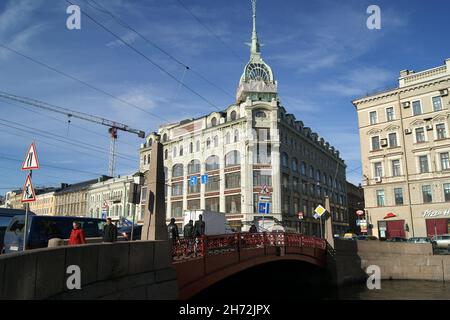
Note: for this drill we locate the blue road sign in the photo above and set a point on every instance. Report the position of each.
(204, 179)
(193, 180)
(264, 207)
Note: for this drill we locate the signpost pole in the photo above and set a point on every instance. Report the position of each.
(25, 227)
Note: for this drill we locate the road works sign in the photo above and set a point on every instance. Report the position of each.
(31, 161)
(28, 194)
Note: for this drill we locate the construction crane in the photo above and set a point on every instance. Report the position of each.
(113, 126)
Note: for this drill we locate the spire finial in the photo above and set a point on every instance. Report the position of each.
(255, 48)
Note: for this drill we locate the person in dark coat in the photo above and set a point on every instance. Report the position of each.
(253, 229)
(172, 228)
(199, 228)
(77, 235)
(188, 231)
(109, 231)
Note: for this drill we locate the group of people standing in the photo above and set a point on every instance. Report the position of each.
(190, 230)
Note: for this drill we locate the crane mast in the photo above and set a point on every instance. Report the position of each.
(112, 130)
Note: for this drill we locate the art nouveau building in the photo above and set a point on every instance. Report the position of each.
(405, 151)
(251, 144)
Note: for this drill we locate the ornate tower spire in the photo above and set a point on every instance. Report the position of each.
(255, 49)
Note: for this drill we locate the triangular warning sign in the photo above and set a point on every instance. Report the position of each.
(31, 161)
(28, 194)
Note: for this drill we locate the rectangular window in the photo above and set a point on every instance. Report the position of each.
(194, 188)
(398, 195)
(380, 198)
(420, 135)
(447, 191)
(233, 180)
(437, 103)
(285, 181)
(423, 164)
(376, 143)
(393, 140)
(426, 193)
(286, 204)
(295, 184)
(417, 108)
(261, 178)
(212, 204)
(177, 209)
(440, 131)
(445, 162)
(378, 169)
(177, 189)
(233, 204)
(395, 168)
(373, 117)
(390, 114)
(193, 204)
(213, 184)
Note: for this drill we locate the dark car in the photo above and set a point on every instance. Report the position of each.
(6, 216)
(43, 228)
(126, 232)
(396, 239)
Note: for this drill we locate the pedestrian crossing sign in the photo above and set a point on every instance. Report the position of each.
(28, 194)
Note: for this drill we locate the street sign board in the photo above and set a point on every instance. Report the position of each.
(28, 194)
(264, 207)
(316, 216)
(31, 161)
(320, 210)
(204, 178)
(300, 215)
(360, 212)
(193, 180)
(264, 198)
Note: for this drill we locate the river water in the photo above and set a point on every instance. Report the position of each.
(396, 290)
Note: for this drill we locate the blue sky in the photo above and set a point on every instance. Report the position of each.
(322, 54)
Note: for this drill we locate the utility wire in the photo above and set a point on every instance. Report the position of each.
(121, 22)
(162, 69)
(81, 81)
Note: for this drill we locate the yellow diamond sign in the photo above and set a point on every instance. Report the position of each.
(320, 210)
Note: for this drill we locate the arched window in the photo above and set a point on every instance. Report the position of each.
(177, 170)
(191, 147)
(150, 142)
(145, 159)
(174, 152)
(164, 137)
(166, 174)
(284, 160)
(303, 168)
(260, 114)
(236, 136)
(232, 158)
(212, 163)
(233, 115)
(208, 143)
(181, 151)
(166, 154)
(228, 138)
(324, 178)
(294, 165)
(194, 167)
(318, 174)
(216, 141)
(213, 122)
(311, 172)
(197, 146)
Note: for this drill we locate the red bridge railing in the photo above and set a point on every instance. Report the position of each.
(191, 248)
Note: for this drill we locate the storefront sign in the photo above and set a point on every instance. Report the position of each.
(435, 213)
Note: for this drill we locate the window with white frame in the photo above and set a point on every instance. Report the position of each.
(441, 133)
(447, 192)
(390, 114)
(427, 194)
(373, 117)
(378, 169)
(380, 198)
(423, 164)
(375, 143)
(417, 108)
(396, 168)
(420, 135)
(393, 140)
(445, 161)
(398, 195)
(437, 103)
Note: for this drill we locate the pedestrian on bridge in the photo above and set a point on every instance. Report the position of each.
(172, 228)
(253, 229)
(109, 231)
(77, 235)
(188, 231)
(199, 228)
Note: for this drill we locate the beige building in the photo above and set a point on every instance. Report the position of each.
(45, 203)
(72, 200)
(252, 144)
(405, 151)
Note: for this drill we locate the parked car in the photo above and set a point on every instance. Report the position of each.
(125, 231)
(43, 228)
(366, 237)
(5, 218)
(349, 236)
(396, 239)
(442, 241)
(419, 240)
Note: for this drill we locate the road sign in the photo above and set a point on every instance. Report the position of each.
(264, 198)
(264, 190)
(28, 194)
(204, 179)
(320, 210)
(264, 207)
(193, 180)
(360, 212)
(31, 160)
(316, 216)
(300, 215)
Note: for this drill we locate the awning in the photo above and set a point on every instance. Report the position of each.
(389, 215)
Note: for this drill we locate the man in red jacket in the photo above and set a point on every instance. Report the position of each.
(77, 235)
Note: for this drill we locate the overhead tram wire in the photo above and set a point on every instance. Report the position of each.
(121, 22)
(158, 66)
(65, 74)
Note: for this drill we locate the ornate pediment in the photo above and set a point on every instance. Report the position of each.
(440, 117)
(418, 123)
(392, 128)
(374, 131)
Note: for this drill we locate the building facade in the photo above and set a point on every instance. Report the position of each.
(72, 200)
(45, 203)
(355, 200)
(252, 146)
(405, 150)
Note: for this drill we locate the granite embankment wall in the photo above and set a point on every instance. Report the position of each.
(123, 270)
